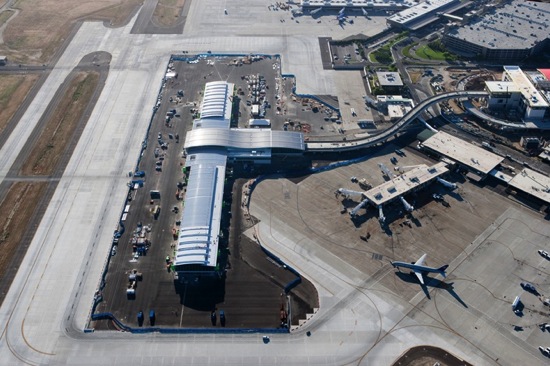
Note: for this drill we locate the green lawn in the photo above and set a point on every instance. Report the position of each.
(427, 53)
(372, 57)
(407, 50)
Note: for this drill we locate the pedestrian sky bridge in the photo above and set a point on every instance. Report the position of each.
(414, 113)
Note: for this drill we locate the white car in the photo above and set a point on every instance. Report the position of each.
(544, 254)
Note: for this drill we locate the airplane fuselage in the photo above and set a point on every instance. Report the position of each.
(416, 267)
(419, 268)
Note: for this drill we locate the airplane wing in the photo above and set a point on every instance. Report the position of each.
(419, 275)
(420, 262)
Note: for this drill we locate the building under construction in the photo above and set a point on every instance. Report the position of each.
(209, 147)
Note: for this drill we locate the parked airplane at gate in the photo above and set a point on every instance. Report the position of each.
(419, 268)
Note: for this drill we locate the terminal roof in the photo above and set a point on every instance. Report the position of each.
(502, 87)
(201, 216)
(208, 146)
(525, 86)
(402, 184)
(217, 100)
(420, 10)
(532, 182)
(367, 4)
(463, 152)
(244, 139)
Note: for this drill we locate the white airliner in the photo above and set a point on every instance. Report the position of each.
(419, 268)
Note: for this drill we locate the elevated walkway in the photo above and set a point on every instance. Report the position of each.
(337, 146)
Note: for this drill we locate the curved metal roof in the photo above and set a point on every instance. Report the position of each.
(201, 216)
(215, 103)
(244, 139)
(208, 145)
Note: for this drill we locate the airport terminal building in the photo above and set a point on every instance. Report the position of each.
(516, 91)
(366, 5)
(209, 147)
(424, 13)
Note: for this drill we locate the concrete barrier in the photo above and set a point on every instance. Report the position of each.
(123, 327)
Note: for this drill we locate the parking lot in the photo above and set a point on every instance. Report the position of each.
(348, 55)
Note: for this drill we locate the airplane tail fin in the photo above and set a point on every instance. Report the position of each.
(442, 270)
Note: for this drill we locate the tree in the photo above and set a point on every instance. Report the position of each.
(383, 55)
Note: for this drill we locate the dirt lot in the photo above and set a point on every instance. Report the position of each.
(428, 356)
(40, 27)
(22, 200)
(59, 129)
(415, 75)
(17, 209)
(13, 90)
(167, 12)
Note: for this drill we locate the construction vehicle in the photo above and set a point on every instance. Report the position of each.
(364, 184)
(222, 318)
(282, 313)
(175, 233)
(135, 275)
(131, 289)
(152, 317)
(156, 212)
